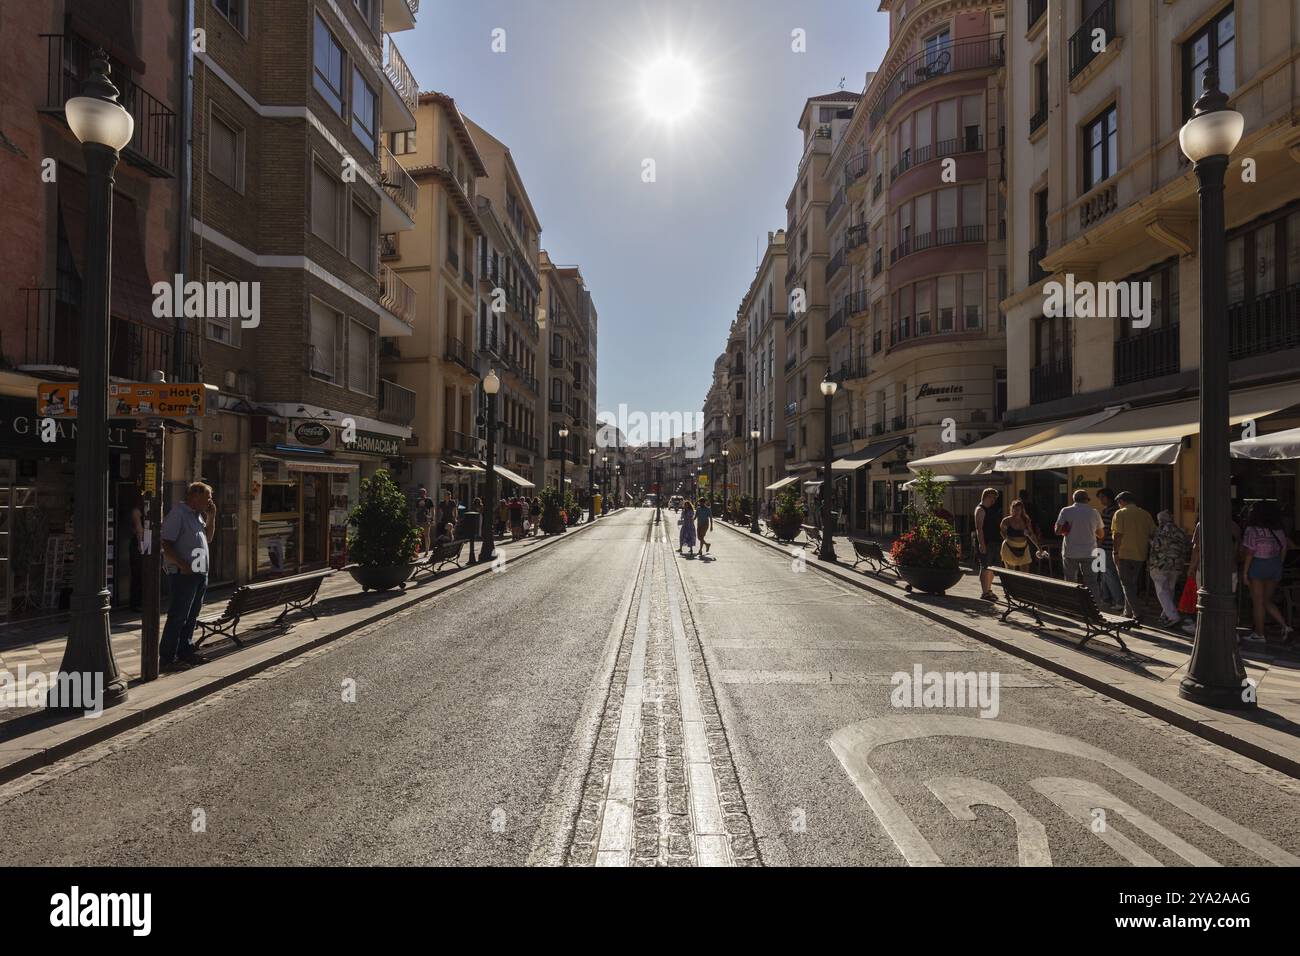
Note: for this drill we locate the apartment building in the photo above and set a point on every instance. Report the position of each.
(49, 49)
(736, 444)
(763, 312)
(568, 352)
(808, 258)
(1100, 192)
(295, 189)
(437, 258)
(508, 336)
(915, 338)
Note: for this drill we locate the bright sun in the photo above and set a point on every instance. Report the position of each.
(670, 88)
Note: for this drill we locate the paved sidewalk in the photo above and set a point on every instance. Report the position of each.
(1147, 678)
(31, 738)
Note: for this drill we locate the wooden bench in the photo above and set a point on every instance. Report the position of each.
(814, 535)
(439, 557)
(873, 556)
(297, 593)
(1034, 593)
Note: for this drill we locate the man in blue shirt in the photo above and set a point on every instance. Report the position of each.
(185, 535)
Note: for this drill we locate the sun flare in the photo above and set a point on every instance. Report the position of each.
(669, 88)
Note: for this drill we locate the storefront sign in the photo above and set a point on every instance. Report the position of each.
(373, 443)
(948, 392)
(309, 433)
(20, 427)
(125, 400)
(1081, 482)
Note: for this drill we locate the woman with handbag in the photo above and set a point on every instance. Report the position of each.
(1017, 535)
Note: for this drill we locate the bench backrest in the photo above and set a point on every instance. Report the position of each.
(1050, 593)
(868, 549)
(271, 594)
(448, 549)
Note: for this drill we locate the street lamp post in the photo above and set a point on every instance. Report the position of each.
(591, 479)
(827, 552)
(754, 436)
(713, 461)
(104, 128)
(491, 385)
(1215, 675)
(604, 480)
(725, 455)
(564, 453)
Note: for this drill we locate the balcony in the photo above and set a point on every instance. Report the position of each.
(401, 93)
(1267, 323)
(1098, 205)
(399, 299)
(556, 406)
(1081, 51)
(835, 265)
(1036, 271)
(973, 53)
(457, 352)
(877, 263)
(839, 438)
(399, 188)
(460, 443)
(156, 139)
(877, 186)
(949, 236)
(791, 409)
(51, 343)
(835, 323)
(400, 14)
(898, 423)
(1049, 382)
(791, 362)
(1039, 118)
(857, 235)
(857, 303)
(1146, 355)
(836, 206)
(396, 404)
(856, 168)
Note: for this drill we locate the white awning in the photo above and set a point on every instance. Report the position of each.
(943, 479)
(1141, 436)
(812, 485)
(783, 483)
(1278, 446)
(509, 475)
(860, 459)
(321, 467)
(979, 457)
(455, 467)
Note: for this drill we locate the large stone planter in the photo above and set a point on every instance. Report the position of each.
(930, 580)
(785, 529)
(381, 579)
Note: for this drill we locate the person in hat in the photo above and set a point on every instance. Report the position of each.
(1081, 531)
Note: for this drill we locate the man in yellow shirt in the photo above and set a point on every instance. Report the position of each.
(1131, 528)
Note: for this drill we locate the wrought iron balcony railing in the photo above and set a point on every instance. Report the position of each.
(400, 75)
(972, 53)
(396, 404)
(1036, 271)
(1146, 355)
(397, 183)
(1266, 323)
(1051, 381)
(1082, 48)
(396, 296)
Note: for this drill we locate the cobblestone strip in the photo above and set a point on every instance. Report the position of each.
(723, 833)
(604, 832)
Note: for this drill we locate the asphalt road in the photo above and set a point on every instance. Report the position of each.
(477, 714)
(465, 707)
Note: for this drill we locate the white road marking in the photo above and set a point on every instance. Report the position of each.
(854, 744)
(796, 644)
(962, 794)
(847, 677)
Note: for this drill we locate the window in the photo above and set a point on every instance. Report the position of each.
(972, 301)
(369, 10)
(402, 142)
(937, 56)
(1215, 44)
(1100, 160)
(326, 339)
(361, 239)
(1040, 95)
(326, 206)
(361, 358)
(972, 121)
(1051, 343)
(923, 131)
(947, 302)
(221, 329)
(947, 125)
(365, 111)
(232, 10)
(328, 58)
(972, 208)
(923, 308)
(948, 209)
(226, 151)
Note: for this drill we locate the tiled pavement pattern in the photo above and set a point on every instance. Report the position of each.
(661, 789)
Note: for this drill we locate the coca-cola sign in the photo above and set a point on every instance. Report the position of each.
(312, 434)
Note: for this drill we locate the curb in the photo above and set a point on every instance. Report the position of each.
(1154, 708)
(103, 728)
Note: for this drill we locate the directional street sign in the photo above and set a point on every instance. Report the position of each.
(126, 400)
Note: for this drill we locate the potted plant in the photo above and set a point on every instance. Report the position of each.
(788, 515)
(553, 517)
(382, 542)
(927, 556)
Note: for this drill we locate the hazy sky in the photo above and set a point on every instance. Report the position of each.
(667, 262)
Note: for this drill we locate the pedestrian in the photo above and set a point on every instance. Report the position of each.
(516, 511)
(424, 514)
(446, 535)
(1017, 535)
(447, 510)
(988, 521)
(1023, 497)
(687, 521)
(1112, 592)
(1170, 549)
(1131, 528)
(1080, 528)
(186, 533)
(1264, 546)
(1194, 565)
(704, 523)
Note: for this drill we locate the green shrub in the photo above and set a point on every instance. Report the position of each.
(381, 534)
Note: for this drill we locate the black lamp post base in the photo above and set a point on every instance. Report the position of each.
(827, 552)
(1224, 697)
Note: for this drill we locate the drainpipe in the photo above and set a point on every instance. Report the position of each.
(184, 229)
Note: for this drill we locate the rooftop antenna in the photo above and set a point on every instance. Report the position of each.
(842, 82)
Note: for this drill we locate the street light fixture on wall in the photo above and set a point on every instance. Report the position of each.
(104, 128)
(754, 436)
(1215, 675)
(827, 552)
(491, 385)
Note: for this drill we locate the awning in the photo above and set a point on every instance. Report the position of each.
(812, 485)
(509, 475)
(943, 479)
(979, 457)
(860, 459)
(1278, 446)
(783, 483)
(322, 466)
(1142, 436)
(455, 467)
